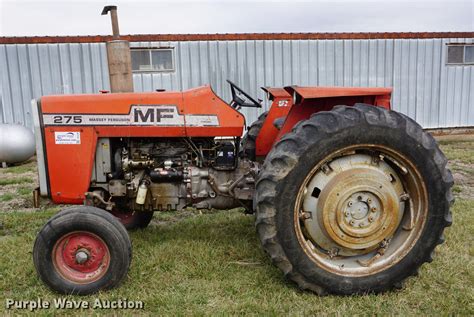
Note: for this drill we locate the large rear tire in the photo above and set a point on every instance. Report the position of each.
(82, 250)
(133, 220)
(353, 200)
(249, 139)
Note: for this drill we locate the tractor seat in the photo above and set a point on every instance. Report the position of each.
(278, 122)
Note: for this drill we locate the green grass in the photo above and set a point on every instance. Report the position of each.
(24, 191)
(29, 166)
(187, 263)
(6, 197)
(209, 263)
(16, 180)
(459, 150)
(456, 189)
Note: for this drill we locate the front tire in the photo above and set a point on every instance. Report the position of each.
(353, 200)
(82, 250)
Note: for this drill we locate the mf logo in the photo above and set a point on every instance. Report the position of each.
(156, 115)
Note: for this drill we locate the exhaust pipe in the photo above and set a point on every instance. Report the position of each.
(118, 57)
(114, 19)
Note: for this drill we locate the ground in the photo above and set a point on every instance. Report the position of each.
(211, 262)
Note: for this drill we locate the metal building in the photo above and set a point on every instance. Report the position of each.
(432, 74)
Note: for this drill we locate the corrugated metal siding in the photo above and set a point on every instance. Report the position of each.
(425, 88)
(30, 71)
(1, 104)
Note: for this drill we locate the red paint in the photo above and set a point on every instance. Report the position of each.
(311, 100)
(280, 107)
(70, 165)
(125, 218)
(64, 257)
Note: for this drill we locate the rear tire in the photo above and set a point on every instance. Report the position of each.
(282, 186)
(249, 139)
(133, 220)
(82, 250)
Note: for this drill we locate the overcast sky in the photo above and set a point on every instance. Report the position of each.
(73, 17)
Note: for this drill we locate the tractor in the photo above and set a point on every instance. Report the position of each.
(349, 196)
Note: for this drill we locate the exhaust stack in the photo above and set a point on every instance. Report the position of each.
(118, 56)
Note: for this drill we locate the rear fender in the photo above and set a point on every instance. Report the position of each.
(281, 105)
(304, 101)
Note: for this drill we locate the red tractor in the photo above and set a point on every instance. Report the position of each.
(349, 196)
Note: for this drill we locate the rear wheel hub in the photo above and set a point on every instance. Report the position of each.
(359, 207)
(354, 204)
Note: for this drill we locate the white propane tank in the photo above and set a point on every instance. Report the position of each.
(141, 194)
(17, 143)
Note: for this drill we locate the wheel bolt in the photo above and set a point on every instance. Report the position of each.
(369, 200)
(373, 209)
(305, 215)
(371, 219)
(349, 204)
(347, 214)
(352, 222)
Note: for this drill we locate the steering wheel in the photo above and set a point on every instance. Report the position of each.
(241, 99)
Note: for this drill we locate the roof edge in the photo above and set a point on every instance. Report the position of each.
(233, 37)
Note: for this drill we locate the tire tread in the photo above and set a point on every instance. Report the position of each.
(284, 156)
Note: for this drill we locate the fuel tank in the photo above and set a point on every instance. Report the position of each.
(17, 143)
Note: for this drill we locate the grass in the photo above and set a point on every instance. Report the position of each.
(29, 166)
(203, 264)
(16, 180)
(456, 189)
(24, 191)
(456, 150)
(6, 197)
(188, 263)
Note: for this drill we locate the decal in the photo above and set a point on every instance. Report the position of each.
(67, 137)
(142, 115)
(201, 120)
(283, 103)
(157, 115)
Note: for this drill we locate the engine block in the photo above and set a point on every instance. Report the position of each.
(153, 174)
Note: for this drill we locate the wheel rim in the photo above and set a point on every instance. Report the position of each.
(81, 257)
(360, 210)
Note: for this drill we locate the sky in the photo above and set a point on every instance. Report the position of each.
(73, 17)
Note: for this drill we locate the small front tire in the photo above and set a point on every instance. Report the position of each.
(82, 250)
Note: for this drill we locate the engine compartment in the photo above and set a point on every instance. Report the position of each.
(166, 174)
